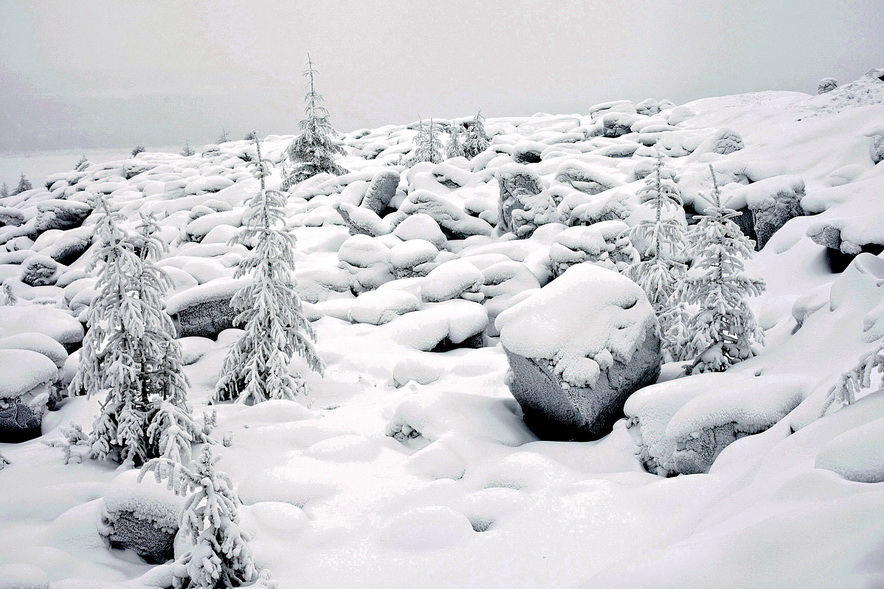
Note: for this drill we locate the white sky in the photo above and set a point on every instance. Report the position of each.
(121, 73)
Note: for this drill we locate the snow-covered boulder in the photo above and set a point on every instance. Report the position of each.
(25, 380)
(361, 221)
(204, 310)
(681, 426)
(451, 218)
(420, 226)
(440, 327)
(524, 205)
(577, 349)
(876, 148)
(453, 279)
(141, 516)
(379, 307)
(61, 214)
(605, 244)
(826, 85)
(367, 259)
(39, 270)
(502, 282)
(773, 202)
(381, 191)
(413, 258)
(56, 323)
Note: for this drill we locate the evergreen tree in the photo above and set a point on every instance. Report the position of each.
(723, 329)
(477, 140)
(187, 150)
(313, 151)
(220, 556)
(4, 190)
(23, 185)
(137, 149)
(129, 352)
(82, 164)
(428, 145)
(257, 366)
(222, 138)
(454, 147)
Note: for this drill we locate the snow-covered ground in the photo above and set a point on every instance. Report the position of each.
(406, 466)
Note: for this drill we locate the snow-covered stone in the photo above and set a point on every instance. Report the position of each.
(577, 349)
(381, 191)
(773, 202)
(25, 380)
(379, 307)
(451, 219)
(456, 278)
(605, 244)
(524, 205)
(204, 310)
(420, 226)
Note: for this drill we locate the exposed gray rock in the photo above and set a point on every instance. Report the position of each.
(381, 191)
(577, 348)
(523, 204)
(39, 271)
(151, 543)
(61, 214)
(648, 107)
(826, 85)
(695, 454)
(10, 216)
(19, 421)
(773, 202)
(876, 148)
(205, 318)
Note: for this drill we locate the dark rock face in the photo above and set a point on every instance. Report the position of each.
(746, 223)
(557, 413)
(774, 213)
(18, 422)
(205, 319)
(839, 253)
(694, 455)
(61, 214)
(143, 536)
(381, 191)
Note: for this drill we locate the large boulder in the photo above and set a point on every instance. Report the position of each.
(26, 378)
(61, 214)
(204, 310)
(577, 349)
(141, 516)
(381, 191)
(524, 205)
(773, 202)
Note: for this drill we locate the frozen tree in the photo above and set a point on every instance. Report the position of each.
(723, 328)
(4, 190)
(476, 140)
(844, 391)
(23, 185)
(220, 555)
(313, 151)
(661, 242)
(137, 149)
(9, 297)
(454, 147)
(428, 145)
(129, 352)
(187, 150)
(257, 366)
(222, 138)
(82, 164)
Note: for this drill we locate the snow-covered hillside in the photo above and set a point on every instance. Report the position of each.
(409, 462)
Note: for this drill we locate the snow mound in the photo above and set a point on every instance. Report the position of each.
(427, 528)
(55, 323)
(379, 307)
(452, 321)
(22, 371)
(451, 280)
(857, 454)
(215, 290)
(36, 342)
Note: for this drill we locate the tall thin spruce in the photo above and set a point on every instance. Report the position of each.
(313, 151)
(257, 366)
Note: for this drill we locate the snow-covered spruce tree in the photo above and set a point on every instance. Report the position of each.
(428, 145)
(4, 190)
(129, 352)
(723, 329)
(82, 164)
(187, 150)
(844, 391)
(313, 151)
(477, 139)
(220, 556)
(454, 146)
(661, 242)
(257, 366)
(23, 185)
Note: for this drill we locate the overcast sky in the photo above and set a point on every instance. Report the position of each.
(120, 73)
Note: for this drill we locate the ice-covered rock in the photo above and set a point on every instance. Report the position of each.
(681, 426)
(25, 382)
(204, 310)
(577, 349)
(524, 205)
(141, 516)
(605, 244)
(381, 191)
(451, 218)
(773, 202)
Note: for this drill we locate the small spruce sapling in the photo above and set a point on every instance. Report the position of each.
(23, 185)
(137, 149)
(257, 365)
(82, 164)
(477, 139)
(222, 138)
(428, 145)
(4, 190)
(723, 329)
(844, 391)
(220, 555)
(187, 150)
(454, 147)
(313, 151)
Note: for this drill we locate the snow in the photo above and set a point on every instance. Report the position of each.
(581, 321)
(461, 494)
(213, 290)
(23, 371)
(450, 280)
(36, 342)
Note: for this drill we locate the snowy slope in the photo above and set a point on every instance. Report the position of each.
(411, 466)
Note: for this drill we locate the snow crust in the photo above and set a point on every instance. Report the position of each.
(23, 371)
